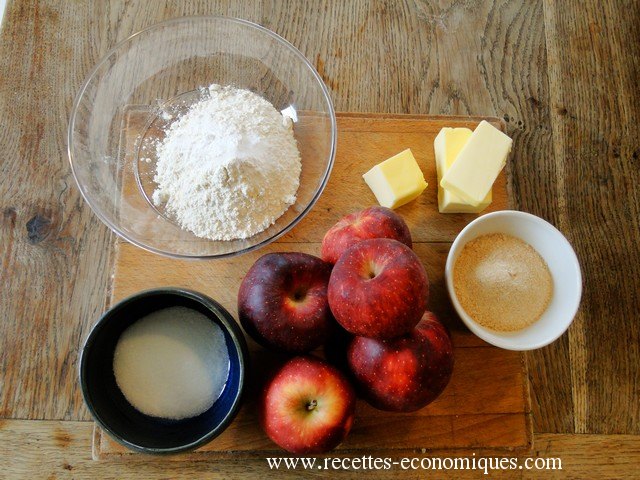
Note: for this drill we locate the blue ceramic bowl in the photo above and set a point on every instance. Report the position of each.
(122, 421)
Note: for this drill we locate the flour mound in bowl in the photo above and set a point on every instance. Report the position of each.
(229, 167)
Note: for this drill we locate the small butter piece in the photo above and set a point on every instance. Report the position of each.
(396, 181)
(447, 146)
(478, 164)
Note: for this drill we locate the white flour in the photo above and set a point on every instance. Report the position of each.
(229, 167)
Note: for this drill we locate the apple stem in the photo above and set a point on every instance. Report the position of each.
(312, 404)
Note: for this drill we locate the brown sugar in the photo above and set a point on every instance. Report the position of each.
(502, 282)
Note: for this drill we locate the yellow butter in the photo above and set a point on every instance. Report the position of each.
(396, 181)
(447, 146)
(478, 164)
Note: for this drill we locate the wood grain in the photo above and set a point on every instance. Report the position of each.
(485, 434)
(58, 449)
(55, 253)
(438, 68)
(136, 270)
(595, 97)
(486, 404)
(563, 75)
(364, 140)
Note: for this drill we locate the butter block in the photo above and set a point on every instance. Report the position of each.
(478, 164)
(397, 180)
(447, 146)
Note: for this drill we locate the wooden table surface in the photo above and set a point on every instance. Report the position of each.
(564, 76)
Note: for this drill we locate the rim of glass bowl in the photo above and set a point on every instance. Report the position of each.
(279, 39)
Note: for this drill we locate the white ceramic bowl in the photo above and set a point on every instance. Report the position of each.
(562, 262)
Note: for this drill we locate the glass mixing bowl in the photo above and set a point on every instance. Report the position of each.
(160, 71)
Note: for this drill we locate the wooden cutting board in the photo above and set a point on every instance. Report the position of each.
(486, 404)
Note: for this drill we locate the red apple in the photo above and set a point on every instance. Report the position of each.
(282, 302)
(373, 222)
(378, 289)
(308, 406)
(406, 373)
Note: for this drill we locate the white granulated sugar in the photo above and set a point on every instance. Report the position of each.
(173, 363)
(229, 167)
